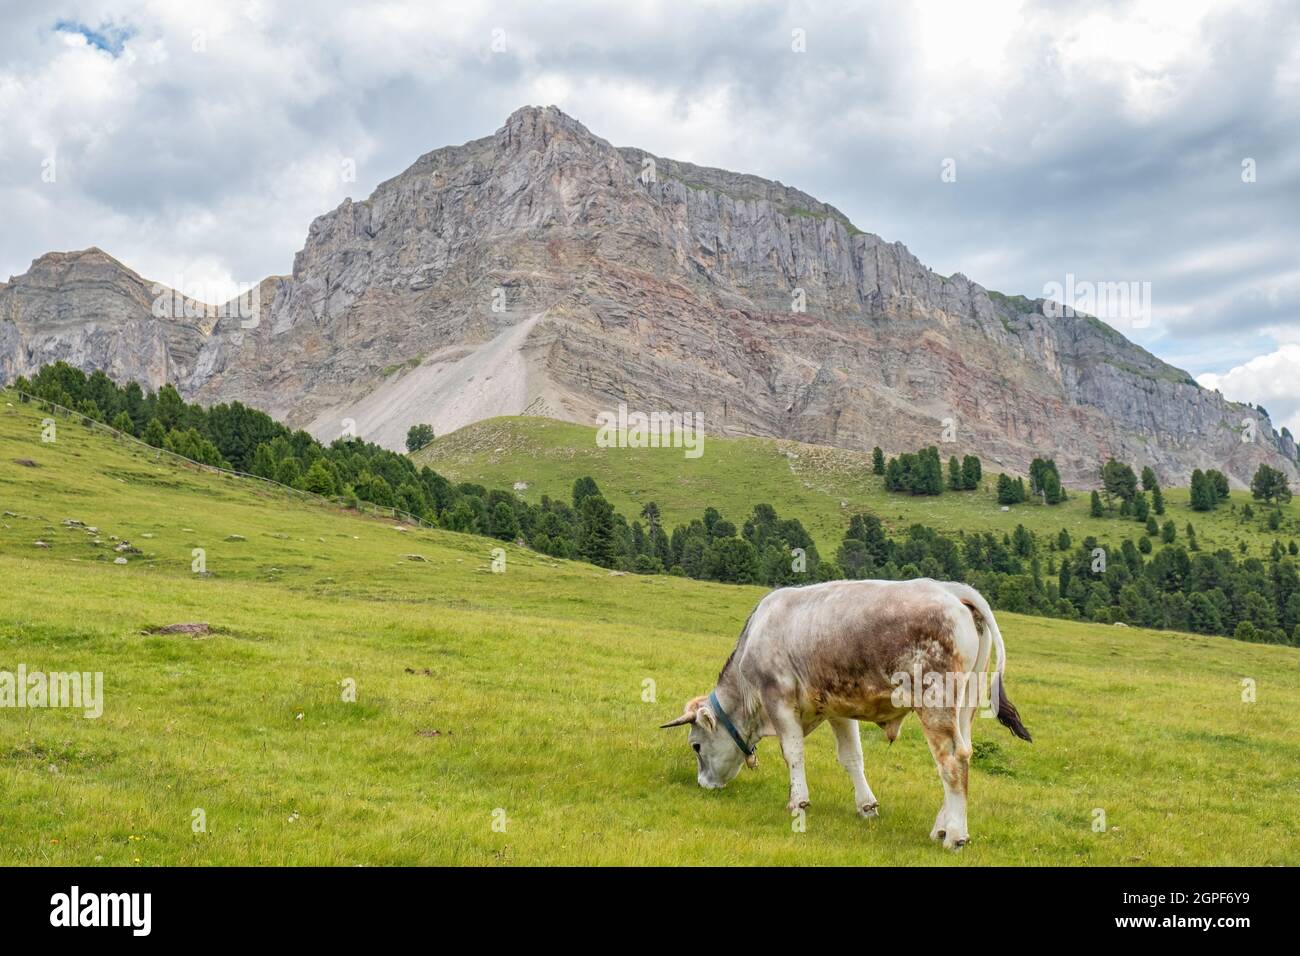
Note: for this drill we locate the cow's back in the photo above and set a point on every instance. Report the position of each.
(834, 649)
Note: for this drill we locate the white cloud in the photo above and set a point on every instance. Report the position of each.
(1271, 380)
(1095, 139)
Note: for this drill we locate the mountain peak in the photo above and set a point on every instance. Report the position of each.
(538, 126)
(76, 264)
(541, 268)
(529, 114)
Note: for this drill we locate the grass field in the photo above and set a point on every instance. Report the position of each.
(823, 487)
(521, 693)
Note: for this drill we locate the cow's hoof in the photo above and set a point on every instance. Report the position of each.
(955, 843)
(869, 811)
(794, 805)
(938, 833)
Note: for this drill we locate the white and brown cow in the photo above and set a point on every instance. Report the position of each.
(846, 651)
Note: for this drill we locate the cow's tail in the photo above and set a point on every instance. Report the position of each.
(1008, 716)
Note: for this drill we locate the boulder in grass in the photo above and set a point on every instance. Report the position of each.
(41, 544)
(119, 560)
(235, 537)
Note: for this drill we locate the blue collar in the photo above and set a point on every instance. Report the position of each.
(747, 750)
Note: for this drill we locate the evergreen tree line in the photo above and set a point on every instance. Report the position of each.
(1120, 493)
(1044, 483)
(1208, 489)
(1176, 588)
(767, 549)
(921, 473)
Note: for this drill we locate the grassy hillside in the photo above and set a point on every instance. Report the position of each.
(523, 692)
(821, 486)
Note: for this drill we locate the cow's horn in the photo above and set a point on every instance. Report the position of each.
(686, 718)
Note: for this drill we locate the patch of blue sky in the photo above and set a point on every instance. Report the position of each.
(108, 37)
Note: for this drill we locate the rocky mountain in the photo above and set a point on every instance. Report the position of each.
(89, 310)
(542, 270)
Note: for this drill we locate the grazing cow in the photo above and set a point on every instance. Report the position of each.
(846, 651)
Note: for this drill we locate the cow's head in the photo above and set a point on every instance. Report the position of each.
(716, 754)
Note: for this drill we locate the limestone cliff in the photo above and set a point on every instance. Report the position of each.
(543, 270)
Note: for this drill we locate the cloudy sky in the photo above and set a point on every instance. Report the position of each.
(1020, 143)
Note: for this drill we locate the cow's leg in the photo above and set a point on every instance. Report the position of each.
(789, 730)
(966, 715)
(848, 747)
(966, 718)
(952, 758)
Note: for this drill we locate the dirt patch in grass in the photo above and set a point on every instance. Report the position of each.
(195, 628)
(57, 755)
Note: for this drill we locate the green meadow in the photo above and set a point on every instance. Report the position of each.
(822, 487)
(370, 694)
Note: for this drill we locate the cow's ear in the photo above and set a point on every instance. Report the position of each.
(705, 717)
